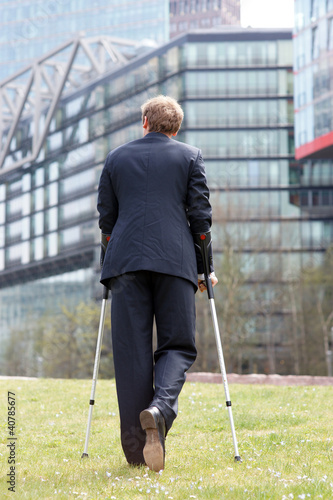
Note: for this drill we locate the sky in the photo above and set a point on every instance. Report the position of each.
(267, 13)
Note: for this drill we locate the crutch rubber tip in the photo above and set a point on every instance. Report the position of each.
(238, 459)
(85, 455)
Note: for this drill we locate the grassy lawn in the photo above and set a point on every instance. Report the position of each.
(284, 436)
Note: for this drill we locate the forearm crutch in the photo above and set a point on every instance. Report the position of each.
(96, 367)
(203, 243)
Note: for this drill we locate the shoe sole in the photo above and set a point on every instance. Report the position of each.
(153, 450)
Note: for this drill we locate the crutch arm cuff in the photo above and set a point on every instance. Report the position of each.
(105, 238)
(204, 252)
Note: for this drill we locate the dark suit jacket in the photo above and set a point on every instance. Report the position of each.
(152, 195)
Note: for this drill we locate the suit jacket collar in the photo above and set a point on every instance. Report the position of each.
(157, 135)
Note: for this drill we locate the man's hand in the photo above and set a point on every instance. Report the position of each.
(202, 283)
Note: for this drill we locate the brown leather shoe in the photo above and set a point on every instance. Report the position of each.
(152, 421)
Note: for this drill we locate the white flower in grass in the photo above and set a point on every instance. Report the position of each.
(108, 474)
(65, 459)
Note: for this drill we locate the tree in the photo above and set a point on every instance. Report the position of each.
(61, 345)
(316, 290)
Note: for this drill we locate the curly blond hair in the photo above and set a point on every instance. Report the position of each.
(163, 113)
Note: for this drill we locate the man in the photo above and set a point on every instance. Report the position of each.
(152, 197)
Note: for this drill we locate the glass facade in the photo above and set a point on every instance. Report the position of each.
(188, 15)
(236, 89)
(313, 102)
(31, 28)
(313, 68)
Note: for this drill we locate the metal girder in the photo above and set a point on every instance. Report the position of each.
(34, 93)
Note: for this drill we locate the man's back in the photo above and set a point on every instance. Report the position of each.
(154, 181)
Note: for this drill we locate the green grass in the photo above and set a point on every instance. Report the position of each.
(284, 435)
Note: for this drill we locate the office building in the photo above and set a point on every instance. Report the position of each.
(236, 88)
(186, 15)
(313, 102)
(313, 68)
(31, 28)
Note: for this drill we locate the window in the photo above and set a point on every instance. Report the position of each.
(2, 215)
(272, 53)
(315, 198)
(2, 192)
(26, 182)
(26, 228)
(14, 206)
(173, 8)
(325, 198)
(2, 260)
(330, 34)
(70, 236)
(52, 244)
(39, 177)
(173, 27)
(54, 141)
(315, 43)
(305, 198)
(327, 233)
(38, 223)
(39, 199)
(14, 253)
(38, 248)
(78, 182)
(14, 230)
(53, 171)
(314, 9)
(78, 208)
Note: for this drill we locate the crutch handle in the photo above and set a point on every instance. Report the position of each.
(203, 242)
